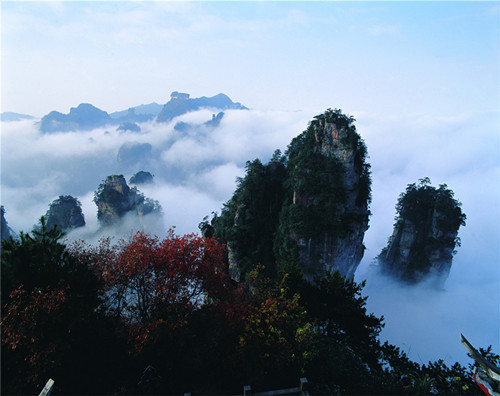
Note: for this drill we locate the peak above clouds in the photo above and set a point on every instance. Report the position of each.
(86, 116)
(195, 172)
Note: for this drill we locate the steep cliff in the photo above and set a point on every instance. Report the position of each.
(6, 231)
(114, 199)
(327, 213)
(425, 234)
(250, 219)
(66, 212)
(306, 211)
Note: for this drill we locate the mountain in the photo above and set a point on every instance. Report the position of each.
(425, 234)
(305, 212)
(141, 113)
(141, 177)
(114, 199)
(180, 103)
(66, 212)
(87, 116)
(326, 214)
(10, 116)
(6, 231)
(83, 117)
(129, 126)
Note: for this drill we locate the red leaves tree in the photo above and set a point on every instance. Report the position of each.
(151, 283)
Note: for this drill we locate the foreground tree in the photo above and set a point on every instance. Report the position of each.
(49, 317)
(162, 316)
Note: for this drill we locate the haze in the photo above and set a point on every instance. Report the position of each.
(420, 78)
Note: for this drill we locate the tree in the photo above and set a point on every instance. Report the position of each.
(249, 221)
(49, 303)
(151, 283)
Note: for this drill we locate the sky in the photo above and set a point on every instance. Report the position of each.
(421, 79)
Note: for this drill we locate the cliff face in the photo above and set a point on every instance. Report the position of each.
(305, 211)
(114, 198)
(66, 212)
(330, 179)
(5, 229)
(425, 235)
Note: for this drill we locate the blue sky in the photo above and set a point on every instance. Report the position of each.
(438, 57)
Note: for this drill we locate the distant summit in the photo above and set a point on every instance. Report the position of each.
(87, 116)
(180, 103)
(83, 117)
(141, 177)
(141, 113)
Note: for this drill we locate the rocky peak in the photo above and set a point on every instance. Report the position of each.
(83, 117)
(5, 229)
(179, 96)
(66, 213)
(330, 181)
(141, 177)
(308, 209)
(114, 198)
(425, 234)
(180, 103)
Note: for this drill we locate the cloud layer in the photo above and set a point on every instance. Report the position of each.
(195, 172)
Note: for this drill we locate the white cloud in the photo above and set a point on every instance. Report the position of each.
(195, 174)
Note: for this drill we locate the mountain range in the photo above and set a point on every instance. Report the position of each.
(86, 116)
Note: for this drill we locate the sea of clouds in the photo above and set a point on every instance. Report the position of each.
(195, 172)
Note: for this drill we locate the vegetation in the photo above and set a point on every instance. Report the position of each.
(249, 220)
(162, 316)
(437, 216)
(300, 195)
(114, 198)
(141, 177)
(152, 315)
(66, 212)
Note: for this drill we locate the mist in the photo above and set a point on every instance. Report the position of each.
(195, 172)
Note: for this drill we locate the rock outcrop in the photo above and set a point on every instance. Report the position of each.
(306, 211)
(128, 126)
(330, 183)
(66, 212)
(6, 231)
(180, 103)
(425, 235)
(141, 177)
(83, 117)
(114, 199)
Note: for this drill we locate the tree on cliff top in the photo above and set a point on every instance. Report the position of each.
(425, 233)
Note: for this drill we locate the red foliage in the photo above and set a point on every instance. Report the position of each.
(36, 324)
(151, 283)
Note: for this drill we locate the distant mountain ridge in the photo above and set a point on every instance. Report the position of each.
(86, 116)
(180, 103)
(149, 111)
(9, 116)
